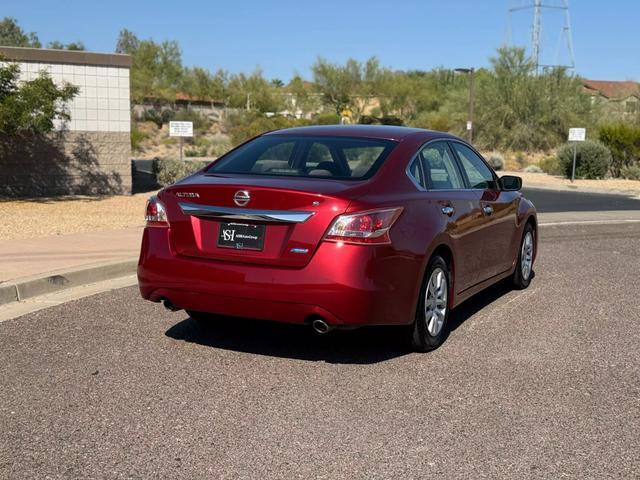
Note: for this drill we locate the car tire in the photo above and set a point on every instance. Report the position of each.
(430, 326)
(526, 252)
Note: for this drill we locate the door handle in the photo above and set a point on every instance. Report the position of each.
(448, 210)
(487, 209)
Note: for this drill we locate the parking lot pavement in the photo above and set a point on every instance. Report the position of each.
(540, 383)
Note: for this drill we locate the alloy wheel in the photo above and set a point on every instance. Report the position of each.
(526, 255)
(435, 302)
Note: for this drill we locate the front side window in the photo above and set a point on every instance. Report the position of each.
(300, 156)
(440, 168)
(478, 173)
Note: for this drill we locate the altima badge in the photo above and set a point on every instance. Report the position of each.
(241, 198)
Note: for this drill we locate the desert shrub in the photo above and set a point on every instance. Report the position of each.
(373, 120)
(219, 146)
(245, 125)
(159, 116)
(137, 137)
(496, 160)
(521, 160)
(533, 169)
(200, 123)
(170, 170)
(551, 165)
(593, 159)
(439, 121)
(631, 173)
(326, 119)
(623, 139)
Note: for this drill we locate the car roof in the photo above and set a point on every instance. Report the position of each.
(383, 132)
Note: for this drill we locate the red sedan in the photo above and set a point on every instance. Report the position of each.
(338, 226)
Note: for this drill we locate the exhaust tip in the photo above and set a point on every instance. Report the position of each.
(168, 304)
(320, 326)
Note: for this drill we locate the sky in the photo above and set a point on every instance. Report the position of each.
(283, 37)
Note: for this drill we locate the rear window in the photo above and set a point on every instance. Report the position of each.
(324, 157)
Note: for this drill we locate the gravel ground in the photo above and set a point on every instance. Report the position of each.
(59, 216)
(541, 383)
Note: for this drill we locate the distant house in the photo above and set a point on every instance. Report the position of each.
(622, 97)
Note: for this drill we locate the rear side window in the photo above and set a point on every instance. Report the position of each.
(479, 175)
(300, 156)
(440, 168)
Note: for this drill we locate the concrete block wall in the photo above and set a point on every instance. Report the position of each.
(91, 153)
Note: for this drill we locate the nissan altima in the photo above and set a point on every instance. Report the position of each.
(339, 227)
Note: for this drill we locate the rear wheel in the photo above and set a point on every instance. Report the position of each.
(524, 267)
(429, 329)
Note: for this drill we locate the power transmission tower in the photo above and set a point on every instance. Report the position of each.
(539, 9)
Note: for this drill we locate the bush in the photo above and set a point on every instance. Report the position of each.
(246, 125)
(623, 140)
(551, 165)
(496, 160)
(200, 123)
(159, 116)
(631, 173)
(170, 170)
(533, 169)
(593, 159)
(326, 119)
(136, 138)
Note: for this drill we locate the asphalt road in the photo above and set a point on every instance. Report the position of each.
(541, 383)
(547, 201)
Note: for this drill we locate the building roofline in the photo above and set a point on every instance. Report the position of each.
(46, 55)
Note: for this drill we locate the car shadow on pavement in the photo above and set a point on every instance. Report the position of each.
(361, 346)
(364, 345)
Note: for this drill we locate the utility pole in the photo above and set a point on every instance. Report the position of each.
(539, 10)
(536, 32)
(471, 73)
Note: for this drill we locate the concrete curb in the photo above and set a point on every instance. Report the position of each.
(29, 287)
(585, 190)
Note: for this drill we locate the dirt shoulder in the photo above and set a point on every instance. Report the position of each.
(543, 180)
(22, 219)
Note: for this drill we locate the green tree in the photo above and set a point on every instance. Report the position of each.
(520, 110)
(156, 71)
(337, 83)
(31, 106)
(200, 82)
(254, 92)
(57, 45)
(11, 35)
(127, 42)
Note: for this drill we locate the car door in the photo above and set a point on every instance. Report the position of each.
(499, 209)
(458, 207)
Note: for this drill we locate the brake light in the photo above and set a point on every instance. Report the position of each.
(156, 213)
(370, 227)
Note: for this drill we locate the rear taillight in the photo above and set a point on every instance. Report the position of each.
(370, 227)
(156, 213)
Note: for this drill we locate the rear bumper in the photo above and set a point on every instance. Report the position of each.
(344, 284)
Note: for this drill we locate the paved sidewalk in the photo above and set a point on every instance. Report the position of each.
(23, 258)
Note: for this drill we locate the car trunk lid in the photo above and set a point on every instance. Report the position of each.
(254, 219)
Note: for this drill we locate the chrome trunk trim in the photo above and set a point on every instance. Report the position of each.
(225, 213)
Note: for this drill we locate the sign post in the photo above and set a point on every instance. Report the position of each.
(181, 129)
(576, 135)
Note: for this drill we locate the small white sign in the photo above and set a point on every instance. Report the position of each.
(469, 125)
(181, 129)
(577, 134)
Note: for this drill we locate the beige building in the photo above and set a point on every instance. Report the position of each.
(620, 97)
(90, 154)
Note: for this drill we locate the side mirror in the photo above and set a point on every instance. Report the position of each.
(510, 183)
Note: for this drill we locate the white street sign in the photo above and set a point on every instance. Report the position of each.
(181, 129)
(469, 125)
(577, 134)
